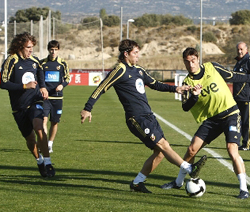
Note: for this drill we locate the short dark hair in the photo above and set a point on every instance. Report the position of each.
(53, 44)
(189, 51)
(126, 46)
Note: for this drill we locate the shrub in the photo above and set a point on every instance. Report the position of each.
(209, 37)
(192, 29)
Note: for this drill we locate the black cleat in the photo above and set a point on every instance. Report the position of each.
(196, 167)
(170, 185)
(140, 187)
(50, 170)
(42, 170)
(243, 147)
(243, 195)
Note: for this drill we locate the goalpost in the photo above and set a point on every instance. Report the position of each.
(178, 79)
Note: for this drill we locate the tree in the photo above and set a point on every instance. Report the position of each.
(90, 22)
(111, 20)
(240, 17)
(103, 13)
(34, 14)
(148, 20)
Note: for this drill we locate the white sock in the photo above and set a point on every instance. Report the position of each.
(50, 143)
(186, 166)
(40, 159)
(47, 160)
(181, 176)
(139, 178)
(243, 181)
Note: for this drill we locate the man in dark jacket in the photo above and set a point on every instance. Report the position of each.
(241, 92)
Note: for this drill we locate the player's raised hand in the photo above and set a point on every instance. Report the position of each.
(85, 114)
(196, 90)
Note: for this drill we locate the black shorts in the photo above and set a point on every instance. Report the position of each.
(24, 118)
(211, 129)
(146, 128)
(53, 107)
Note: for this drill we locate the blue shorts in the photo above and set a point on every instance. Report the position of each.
(230, 126)
(53, 107)
(146, 128)
(24, 118)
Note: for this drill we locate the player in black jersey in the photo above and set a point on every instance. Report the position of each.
(211, 102)
(23, 77)
(129, 80)
(57, 77)
(241, 92)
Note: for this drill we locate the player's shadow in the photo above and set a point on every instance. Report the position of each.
(109, 141)
(82, 178)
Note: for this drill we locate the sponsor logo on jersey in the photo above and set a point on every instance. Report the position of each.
(210, 88)
(233, 128)
(140, 86)
(39, 107)
(147, 131)
(28, 77)
(52, 76)
(20, 67)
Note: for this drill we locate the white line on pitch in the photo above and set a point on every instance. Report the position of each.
(211, 152)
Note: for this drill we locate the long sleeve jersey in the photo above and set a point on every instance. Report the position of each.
(56, 73)
(241, 90)
(129, 83)
(215, 98)
(17, 71)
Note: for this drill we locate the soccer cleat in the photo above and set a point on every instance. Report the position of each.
(243, 147)
(42, 170)
(196, 167)
(140, 187)
(170, 185)
(50, 170)
(243, 195)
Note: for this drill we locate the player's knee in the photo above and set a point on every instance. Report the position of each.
(163, 145)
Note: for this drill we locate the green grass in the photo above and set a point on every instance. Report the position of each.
(95, 162)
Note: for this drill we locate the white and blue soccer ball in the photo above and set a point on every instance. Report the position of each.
(195, 187)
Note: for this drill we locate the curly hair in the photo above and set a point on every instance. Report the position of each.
(19, 41)
(126, 46)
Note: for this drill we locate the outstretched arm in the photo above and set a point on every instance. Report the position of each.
(230, 76)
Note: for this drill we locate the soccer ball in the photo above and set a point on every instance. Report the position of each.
(195, 187)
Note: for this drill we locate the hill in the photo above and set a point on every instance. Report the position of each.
(161, 46)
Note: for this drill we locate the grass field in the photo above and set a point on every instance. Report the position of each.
(95, 162)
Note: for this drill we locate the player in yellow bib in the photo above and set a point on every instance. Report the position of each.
(211, 102)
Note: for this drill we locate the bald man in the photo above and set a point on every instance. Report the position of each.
(241, 92)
